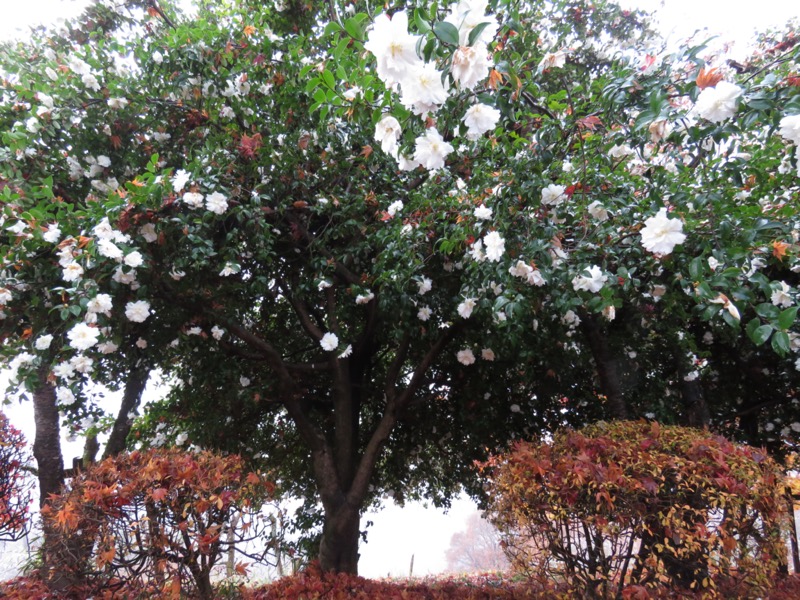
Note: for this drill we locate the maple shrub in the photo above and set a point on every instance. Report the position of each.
(15, 488)
(160, 521)
(636, 505)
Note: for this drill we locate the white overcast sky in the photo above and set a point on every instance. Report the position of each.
(398, 534)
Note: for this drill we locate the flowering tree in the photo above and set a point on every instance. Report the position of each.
(371, 244)
(477, 548)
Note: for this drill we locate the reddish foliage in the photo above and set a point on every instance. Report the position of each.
(164, 517)
(15, 487)
(634, 503)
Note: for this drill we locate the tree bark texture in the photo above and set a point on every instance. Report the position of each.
(134, 388)
(607, 367)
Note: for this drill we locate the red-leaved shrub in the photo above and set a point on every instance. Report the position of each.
(640, 505)
(15, 487)
(158, 520)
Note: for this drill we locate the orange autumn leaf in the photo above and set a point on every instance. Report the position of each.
(249, 30)
(779, 249)
(495, 79)
(708, 78)
(366, 151)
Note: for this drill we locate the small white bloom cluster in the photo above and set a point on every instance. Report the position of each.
(422, 87)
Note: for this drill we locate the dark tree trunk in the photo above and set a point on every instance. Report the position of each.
(338, 550)
(47, 443)
(607, 367)
(50, 472)
(134, 388)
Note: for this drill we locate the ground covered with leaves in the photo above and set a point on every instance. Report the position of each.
(314, 585)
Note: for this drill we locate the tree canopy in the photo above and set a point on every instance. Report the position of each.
(368, 244)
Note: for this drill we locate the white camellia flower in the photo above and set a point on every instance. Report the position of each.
(82, 336)
(470, 66)
(148, 232)
(482, 213)
(346, 352)
(466, 15)
(101, 303)
(466, 307)
(329, 342)
(431, 150)
(394, 48)
(597, 211)
(661, 234)
(790, 128)
(64, 396)
(117, 103)
(43, 342)
(781, 297)
(424, 286)
(487, 354)
(465, 357)
(216, 203)
(108, 249)
(64, 370)
(593, 282)
(387, 133)
(193, 199)
(479, 119)
(395, 207)
(718, 103)
(82, 364)
(495, 246)
(180, 179)
(553, 194)
(72, 272)
(365, 298)
(134, 259)
(424, 313)
(423, 90)
(53, 234)
(137, 311)
(217, 332)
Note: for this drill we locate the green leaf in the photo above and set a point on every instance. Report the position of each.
(353, 27)
(760, 334)
(787, 317)
(446, 32)
(476, 32)
(781, 343)
(422, 25)
(766, 310)
(331, 27)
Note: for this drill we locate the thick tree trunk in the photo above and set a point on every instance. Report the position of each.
(134, 388)
(50, 472)
(338, 550)
(47, 442)
(607, 367)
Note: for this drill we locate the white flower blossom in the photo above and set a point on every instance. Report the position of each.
(216, 203)
(347, 351)
(364, 298)
(53, 234)
(593, 282)
(43, 342)
(597, 211)
(495, 246)
(661, 234)
(394, 48)
(180, 179)
(790, 128)
(465, 357)
(781, 296)
(82, 336)
(466, 307)
(137, 311)
(424, 313)
(479, 119)
(395, 207)
(101, 303)
(553, 60)
(329, 342)
(217, 332)
(424, 286)
(193, 199)
(470, 66)
(72, 272)
(487, 354)
(108, 249)
(134, 259)
(431, 150)
(553, 194)
(387, 133)
(482, 213)
(719, 102)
